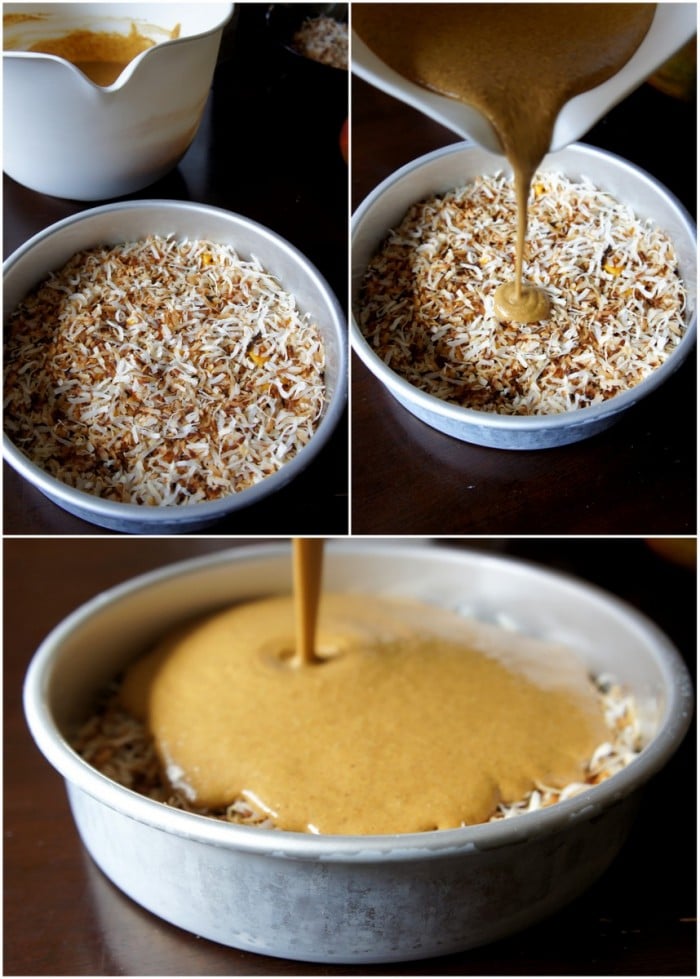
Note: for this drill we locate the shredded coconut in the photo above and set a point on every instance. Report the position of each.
(618, 303)
(117, 744)
(323, 39)
(162, 372)
(624, 744)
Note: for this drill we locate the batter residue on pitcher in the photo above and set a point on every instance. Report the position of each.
(518, 63)
(101, 55)
(407, 717)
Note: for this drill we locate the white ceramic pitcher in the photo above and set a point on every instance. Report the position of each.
(67, 136)
(672, 26)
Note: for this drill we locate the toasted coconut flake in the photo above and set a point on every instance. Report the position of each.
(609, 758)
(128, 373)
(618, 303)
(323, 39)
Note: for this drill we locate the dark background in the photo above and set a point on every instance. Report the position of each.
(268, 148)
(63, 917)
(638, 477)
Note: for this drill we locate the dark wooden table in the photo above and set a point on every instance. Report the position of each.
(636, 478)
(63, 917)
(268, 148)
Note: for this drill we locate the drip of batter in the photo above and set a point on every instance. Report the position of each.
(308, 564)
(518, 63)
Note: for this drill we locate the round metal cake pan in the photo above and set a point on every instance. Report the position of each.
(115, 223)
(455, 165)
(354, 899)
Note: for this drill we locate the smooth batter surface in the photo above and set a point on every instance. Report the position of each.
(414, 719)
(518, 63)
